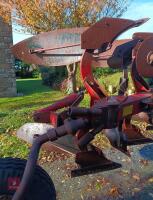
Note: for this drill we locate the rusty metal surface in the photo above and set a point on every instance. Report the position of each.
(64, 145)
(106, 31)
(101, 59)
(134, 134)
(44, 50)
(53, 39)
(142, 117)
(142, 35)
(143, 66)
(61, 47)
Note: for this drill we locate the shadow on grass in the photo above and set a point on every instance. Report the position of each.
(3, 115)
(31, 105)
(31, 86)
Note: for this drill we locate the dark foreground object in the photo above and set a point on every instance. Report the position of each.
(11, 172)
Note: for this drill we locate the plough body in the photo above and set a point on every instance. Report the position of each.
(110, 114)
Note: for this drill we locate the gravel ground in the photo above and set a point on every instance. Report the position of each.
(134, 181)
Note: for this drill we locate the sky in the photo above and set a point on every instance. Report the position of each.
(138, 9)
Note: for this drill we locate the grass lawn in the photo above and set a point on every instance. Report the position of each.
(16, 111)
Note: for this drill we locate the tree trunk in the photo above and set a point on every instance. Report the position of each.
(71, 84)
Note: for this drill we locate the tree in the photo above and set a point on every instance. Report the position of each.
(37, 16)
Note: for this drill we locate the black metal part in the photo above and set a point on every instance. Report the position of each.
(85, 112)
(99, 114)
(95, 169)
(149, 109)
(117, 139)
(137, 76)
(149, 128)
(79, 99)
(123, 84)
(139, 141)
(88, 137)
(92, 162)
(122, 55)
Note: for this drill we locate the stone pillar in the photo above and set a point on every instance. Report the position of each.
(7, 74)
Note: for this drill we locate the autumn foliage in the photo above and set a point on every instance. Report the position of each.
(37, 16)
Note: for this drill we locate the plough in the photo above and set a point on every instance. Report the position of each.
(75, 127)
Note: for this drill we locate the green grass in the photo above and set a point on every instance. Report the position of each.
(16, 111)
(31, 86)
(113, 79)
(11, 146)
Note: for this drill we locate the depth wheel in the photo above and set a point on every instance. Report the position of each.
(11, 171)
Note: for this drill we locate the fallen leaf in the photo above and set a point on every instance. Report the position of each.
(144, 162)
(89, 187)
(150, 180)
(136, 177)
(125, 172)
(136, 189)
(114, 191)
(98, 186)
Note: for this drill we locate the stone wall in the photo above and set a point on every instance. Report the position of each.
(7, 74)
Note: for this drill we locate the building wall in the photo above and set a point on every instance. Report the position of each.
(7, 74)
